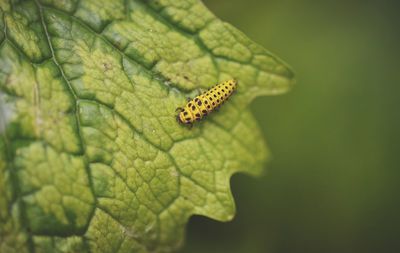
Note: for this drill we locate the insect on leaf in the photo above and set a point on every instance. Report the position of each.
(91, 156)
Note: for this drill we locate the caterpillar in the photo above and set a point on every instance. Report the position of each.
(205, 103)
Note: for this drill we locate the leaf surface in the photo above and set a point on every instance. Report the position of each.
(91, 157)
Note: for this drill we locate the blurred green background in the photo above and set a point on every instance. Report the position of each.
(333, 183)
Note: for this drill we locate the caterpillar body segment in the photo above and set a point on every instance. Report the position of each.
(205, 103)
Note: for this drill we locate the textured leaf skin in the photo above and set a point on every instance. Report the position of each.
(91, 158)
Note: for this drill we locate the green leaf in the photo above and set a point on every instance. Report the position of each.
(91, 157)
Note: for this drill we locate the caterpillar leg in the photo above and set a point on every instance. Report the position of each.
(179, 109)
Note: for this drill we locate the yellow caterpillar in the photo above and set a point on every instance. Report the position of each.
(200, 106)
